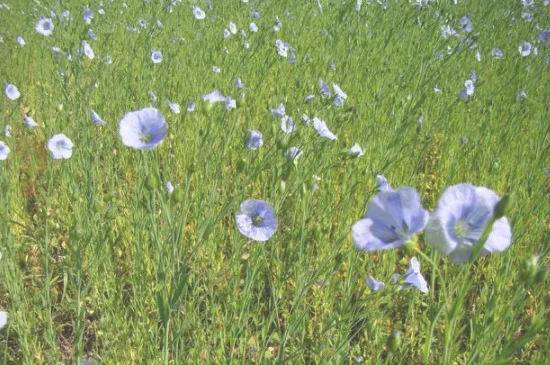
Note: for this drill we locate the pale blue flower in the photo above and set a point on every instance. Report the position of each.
(216, 69)
(92, 35)
(87, 15)
(459, 220)
(287, 124)
(87, 50)
(230, 103)
(255, 140)
(525, 49)
(56, 50)
(256, 220)
(478, 56)
(255, 14)
(305, 119)
(226, 33)
(169, 187)
(159, 24)
(293, 153)
(470, 89)
(60, 146)
(11, 91)
(156, 56)
(339, 92)
(253, 27)
(44, 26)
(497, 53)
(392, 218)
(7, 130)
(143, 129)
(374, 284)
(233, 28)
(238, 83)
(309, 97)
(322, 129)
(20, 41)
(214, 97)
(108, 60)
(544, 36)
(4, 152)
(97, 119)
(29, 122)
(413, 277)
(3, 319)
(279, 111)
(466, 24)
(198, 13)
(282, 48)
(356, 150)
(325, 91)
(174, 107)
(448, 31)
(190, 107)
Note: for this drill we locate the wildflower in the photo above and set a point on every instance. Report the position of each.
(287, 124)
(279, 111)
(356, 150)
(321, 128)
(174, 107)
(87, 50)
(392, 218)
(230, 103)
(156, 56)
(4, 151)
(282, 48)
(44, 26)
(544, 36)
(413, 277)
(478, 56)
(143, 129)
(169, 187)
(60, 146)
(190, 107)
(108, 60)
(256, 220)
(466, 24)
(97, 119)
(216, 69)
(338, 91)
(92, 35)
(447, 31)
(87, 16)
(29, 122)
(325, 91)
(253, 27)
(469, 84)
(198, 13)
(374, 284)
(255, 140)
(457, 224)
(11, 92)
(20, 41)
(7, 131)
(214, 97)
(238, 83)
(233, 28)
(309, 97)
(497, 53)
(293, 153)
(525, 49)
(3, 319)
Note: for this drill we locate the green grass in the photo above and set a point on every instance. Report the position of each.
(99, 262)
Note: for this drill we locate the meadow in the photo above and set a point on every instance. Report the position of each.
(178, 183)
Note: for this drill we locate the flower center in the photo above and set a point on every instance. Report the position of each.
(146, 137)
(461, 229)
(257, 220)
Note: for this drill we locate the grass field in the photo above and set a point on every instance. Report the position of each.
(101, 263)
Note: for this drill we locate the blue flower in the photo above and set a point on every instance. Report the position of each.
(4, 151)
(356, 150)
(29, 122)
(325, 91)
(544, 36)
(253, 27)
(497, 53)
(198, 13)
(293, 153)
(190, 107)
(287, 124)
(525, 49)
(282, 48)
(44, 26)
(279, 111)
(392, 217)
(60, 146)
(143, 129)
(255, 140)
(3, 319)
(87, 50)
(413, 277)
(174, 107)
(374, 284)
(97, 119)
(87, 15)
(11, 91)
(156, 56)
(459, 220)
(256, 220)
(169, 187)
(214, 97)
(20, 41)
(321, 128)
(238, 83)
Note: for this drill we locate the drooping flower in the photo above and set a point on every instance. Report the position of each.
(97, 119)
(87, 50)
(339, 92)
(143, 129)
(11, 91)
(198, 13)
(238, 83)
(20, 41)
(282, 48)
(356, 150)
(497, 53)
(255, 140)
(214, 97)
(44, 26)
(279, 111)
(287, 124)
(470, 89)
(29, 122)
(309, 97)
(413, 277)
(174, 107)
(374, 284)
(60, 146)
(325, 91)
(156, 56)
(321, 128)
(392, 218)
(457, 224)
(293, 153)
(256, 220)
(4, 151)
